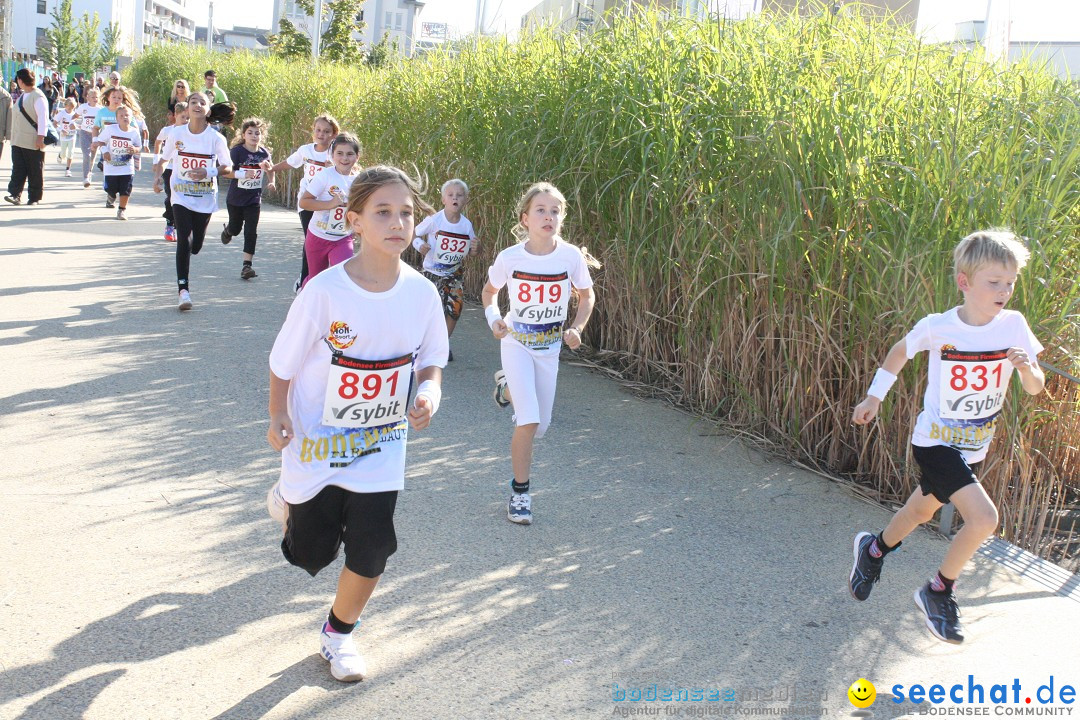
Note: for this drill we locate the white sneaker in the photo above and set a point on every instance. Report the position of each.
(346, 662)
(185, 300)
(276, 505)
(520, 509)
(67, 174)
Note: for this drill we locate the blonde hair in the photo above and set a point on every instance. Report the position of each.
(371, 179)
(986, 247)
(187, 90)
(525, 202)
(455, 181)
(251, 122)
(69, 101)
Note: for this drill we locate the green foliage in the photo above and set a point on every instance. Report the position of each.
(383, 52)
(110, 45)
(60, 38)
(290, 43)
(775, 202)
(87, 50)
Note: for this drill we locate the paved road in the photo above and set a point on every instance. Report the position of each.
(141, 576)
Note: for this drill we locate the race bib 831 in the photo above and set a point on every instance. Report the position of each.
(973, 384)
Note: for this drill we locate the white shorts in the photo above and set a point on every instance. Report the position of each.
(531, 379)
(67, 147)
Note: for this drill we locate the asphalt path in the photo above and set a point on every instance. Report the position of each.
(142, 577)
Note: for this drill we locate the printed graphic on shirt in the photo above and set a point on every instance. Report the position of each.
(341, 336)
(972, 389)
(120, 151)
(450, 249)
(538, 307)
(367, 393)
(332, 222)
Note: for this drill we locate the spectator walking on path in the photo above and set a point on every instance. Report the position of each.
(5, 118)
(51, 93)
(28, 141)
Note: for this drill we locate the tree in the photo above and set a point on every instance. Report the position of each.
(289, 42)
(59, 49)
(382, 52)
(110, 45)
(87, 50)
(337, 43)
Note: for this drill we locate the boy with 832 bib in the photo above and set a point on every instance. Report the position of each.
(340, 374)
(974, 349)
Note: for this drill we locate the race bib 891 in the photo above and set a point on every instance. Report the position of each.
(973, 384)
(367, 393)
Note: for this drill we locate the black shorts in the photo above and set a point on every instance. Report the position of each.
(118, 185)
(363, 521)
(944, 470)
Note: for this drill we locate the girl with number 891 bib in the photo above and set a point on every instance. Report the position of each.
(538, 274)
(329, 240)
(341, 371)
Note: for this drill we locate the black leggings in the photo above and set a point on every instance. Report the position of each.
(166, 177)
(246, 216)
(305, 218)
(190, 225)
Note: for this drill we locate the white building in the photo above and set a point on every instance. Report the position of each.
(396, 18)
(142, 22)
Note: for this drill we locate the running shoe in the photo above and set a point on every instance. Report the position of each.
(170, 233)
(67, 173)
(185, 300)
(520, 509)
(121, 214)
(110, 201)
(86, 182)
(13, 199)
(346, 662)
(247, 272)
(942, 614)
(225, 236)
(276, 505)
(866, 569)
(500, 393)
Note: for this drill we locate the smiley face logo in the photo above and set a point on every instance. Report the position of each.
(862, 693)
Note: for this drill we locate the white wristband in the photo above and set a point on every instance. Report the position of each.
(883, 381)
(432, 391)
(418, 243)
(240, 173)
(491, 312)
(211, 171)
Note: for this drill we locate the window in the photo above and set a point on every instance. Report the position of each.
(389, 19)
(360, 16)
(41, 7)
(397, 21)
(40, 39)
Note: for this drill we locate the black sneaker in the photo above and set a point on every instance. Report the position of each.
(866, 569)
(247, 272)
(225, 236)
(13, 199)
(942, 614)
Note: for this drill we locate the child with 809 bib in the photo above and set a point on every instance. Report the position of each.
(974, 349)
(538, 274)
(341, 371)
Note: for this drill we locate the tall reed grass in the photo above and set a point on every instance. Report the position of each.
(775, 202)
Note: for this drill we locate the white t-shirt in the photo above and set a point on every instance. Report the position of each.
(539, 288)
(86, 114)
(450, 242)
(123, 147)
(314, 161)
(65, 123)
(968, 377)
(374, 338)
(330, 224)
(185, 151)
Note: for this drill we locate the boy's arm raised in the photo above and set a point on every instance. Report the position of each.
(895, 361)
